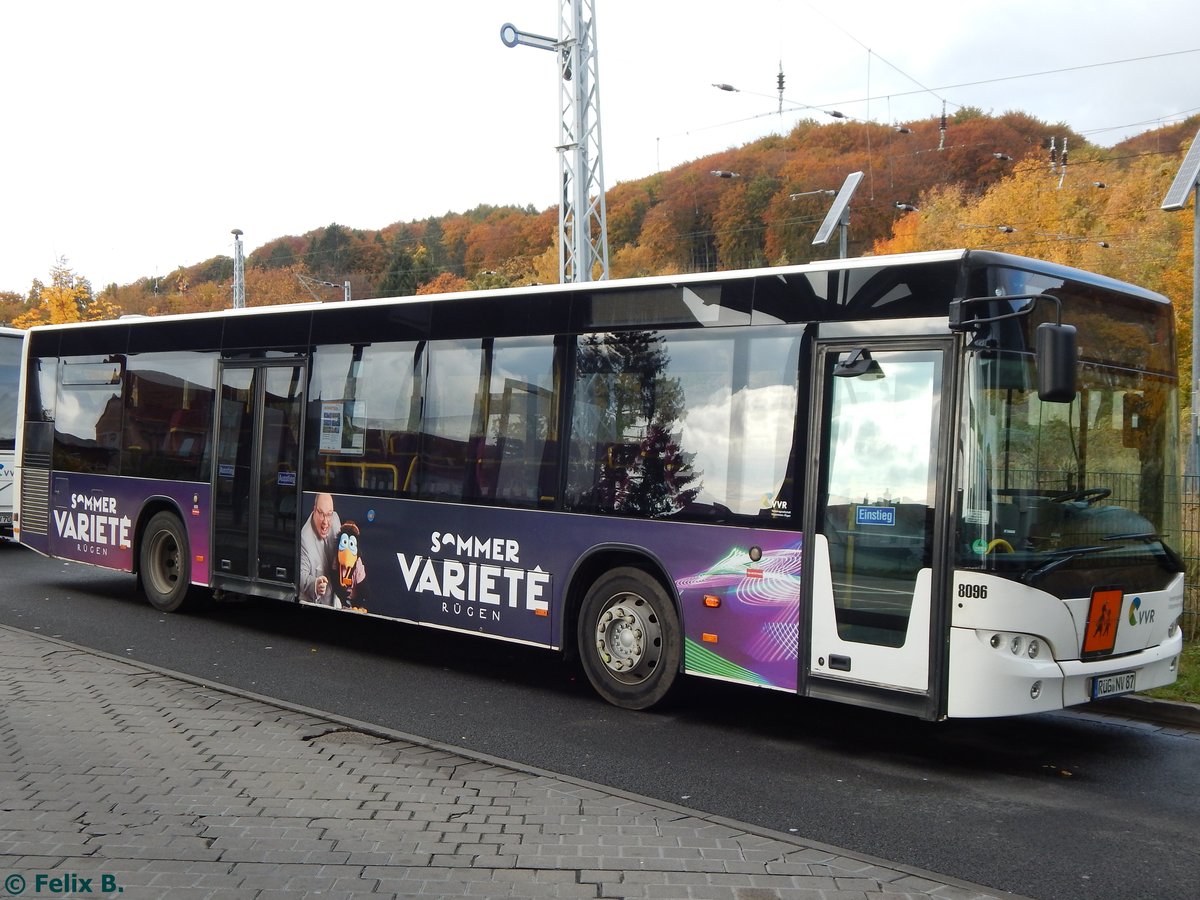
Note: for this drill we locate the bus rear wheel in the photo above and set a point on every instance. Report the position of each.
(629, 638)
(164, 562)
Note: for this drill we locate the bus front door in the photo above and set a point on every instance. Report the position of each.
(875, 519)
(255, 486)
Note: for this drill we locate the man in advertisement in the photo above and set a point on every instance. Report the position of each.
(318, 552)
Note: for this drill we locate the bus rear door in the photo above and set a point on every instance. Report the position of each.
(875, 521)
(255, 484)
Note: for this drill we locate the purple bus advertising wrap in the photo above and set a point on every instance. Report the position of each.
(92, 519)
(502, 572)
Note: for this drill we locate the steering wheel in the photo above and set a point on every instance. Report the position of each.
(1087, 495)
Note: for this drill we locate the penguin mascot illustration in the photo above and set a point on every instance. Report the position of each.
(350, 587)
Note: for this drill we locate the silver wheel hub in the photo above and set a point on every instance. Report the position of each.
(629, 638)
(165, 570)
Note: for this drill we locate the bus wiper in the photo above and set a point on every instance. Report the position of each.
(1064, 556)
(1173, 562)
(1176, 563)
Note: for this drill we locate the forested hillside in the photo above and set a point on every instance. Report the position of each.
(1008, 181)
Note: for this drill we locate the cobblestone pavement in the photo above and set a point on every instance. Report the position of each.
(120, 779)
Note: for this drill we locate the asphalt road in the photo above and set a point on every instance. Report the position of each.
(1051, 806)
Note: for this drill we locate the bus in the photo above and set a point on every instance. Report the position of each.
(942, 484)
(10, 380)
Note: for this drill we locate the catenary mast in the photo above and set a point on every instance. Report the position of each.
(582, 225)
(239, 271)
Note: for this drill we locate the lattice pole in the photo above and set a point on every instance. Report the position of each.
(583, 230)
(239, 271)
(582, 218)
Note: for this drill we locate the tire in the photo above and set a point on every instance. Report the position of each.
(629, 638)
(163, 567)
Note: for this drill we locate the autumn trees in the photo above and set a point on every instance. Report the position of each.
(979, 181)
(767, 211)
(67, 298)
(1103, 216)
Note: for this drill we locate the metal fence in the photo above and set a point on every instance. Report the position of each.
(1190, 551)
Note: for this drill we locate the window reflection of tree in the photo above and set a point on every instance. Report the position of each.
(637, 410)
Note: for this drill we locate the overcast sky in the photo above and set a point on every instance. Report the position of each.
(136, 135)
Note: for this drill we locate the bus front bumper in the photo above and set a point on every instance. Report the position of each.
(987, 678)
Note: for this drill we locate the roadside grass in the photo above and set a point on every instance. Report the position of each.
(1187, 688)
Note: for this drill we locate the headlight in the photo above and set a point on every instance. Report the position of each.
(1019, 644)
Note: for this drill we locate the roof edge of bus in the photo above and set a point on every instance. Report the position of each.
(127, 318)
(999, 257)
(612, 284)
(967, 257)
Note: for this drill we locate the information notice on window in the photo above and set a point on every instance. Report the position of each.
(343, 427)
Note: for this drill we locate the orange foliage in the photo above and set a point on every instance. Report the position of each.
(445, 283)
(12, 305)
(686, 219)
(273, 287)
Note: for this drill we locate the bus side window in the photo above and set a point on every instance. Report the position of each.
(516, 461)
(88, 431)
(695, 424)
(378, 386)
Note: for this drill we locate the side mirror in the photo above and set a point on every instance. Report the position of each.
(1057, 355)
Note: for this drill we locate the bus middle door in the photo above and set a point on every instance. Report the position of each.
(876, 520)
(255, 485)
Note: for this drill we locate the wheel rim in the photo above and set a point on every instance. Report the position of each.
(164, 567)
(629, 638)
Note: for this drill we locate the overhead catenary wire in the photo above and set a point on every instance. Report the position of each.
(798, 106)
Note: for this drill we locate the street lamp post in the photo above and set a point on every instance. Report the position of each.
(824, 193)
(308, 282)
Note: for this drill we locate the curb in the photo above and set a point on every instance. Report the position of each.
(1168, 713)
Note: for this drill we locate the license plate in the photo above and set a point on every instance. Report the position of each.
(1112, 685)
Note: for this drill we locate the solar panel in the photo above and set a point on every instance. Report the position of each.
(840, 202)
(1185, 180)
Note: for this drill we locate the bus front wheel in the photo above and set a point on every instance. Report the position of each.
(629, 638)
(164, 562)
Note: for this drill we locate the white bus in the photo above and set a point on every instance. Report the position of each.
(11, 340)
(944, 484)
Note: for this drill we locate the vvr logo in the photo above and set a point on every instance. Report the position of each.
(1137, 615)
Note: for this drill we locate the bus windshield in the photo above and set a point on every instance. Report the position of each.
(1064, 496)
(10, 376)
